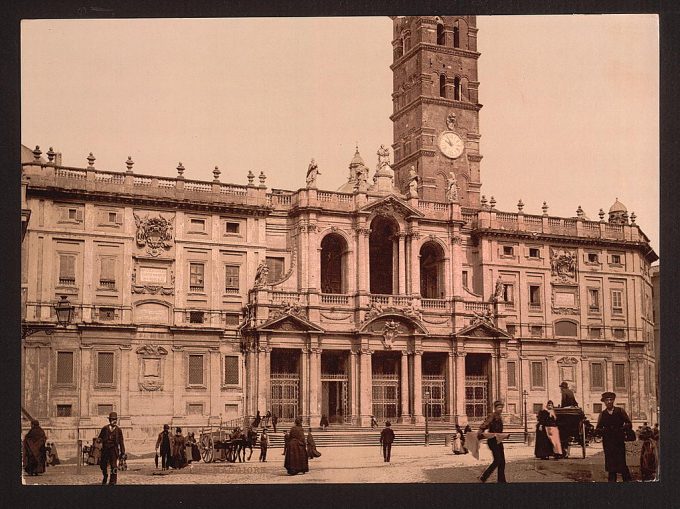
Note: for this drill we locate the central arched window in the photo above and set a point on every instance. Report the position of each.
(442, 85)
(456, 34)
(383, 249)
(432, 271)
(457, 89)
(440, 35)
(333, 264)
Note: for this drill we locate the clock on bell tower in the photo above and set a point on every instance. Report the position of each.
(435, 105)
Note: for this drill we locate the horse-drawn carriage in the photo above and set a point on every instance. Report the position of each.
(571, 422)
(225, 442)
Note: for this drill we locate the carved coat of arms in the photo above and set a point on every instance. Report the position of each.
(389, 332)
(563, 265)
(154, 233)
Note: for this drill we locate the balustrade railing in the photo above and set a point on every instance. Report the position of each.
(279, 297)
(433, 303)
(332, 298)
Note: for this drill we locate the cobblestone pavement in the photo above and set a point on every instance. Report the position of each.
(412, 464)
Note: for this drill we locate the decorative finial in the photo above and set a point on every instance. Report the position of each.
(579, 212)
(129, 163)
(545, 208)
(251, 178)
(180, 170)
(483, 201)
(216, 174)
(51, 154)
(492, 202)
(90, 161)
(632, 217)
(520, 206)
(37, 153)
(601, 214)
(262, 177)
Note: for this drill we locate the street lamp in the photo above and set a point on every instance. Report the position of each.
(64, 311)
(526, 430)
(427, 411)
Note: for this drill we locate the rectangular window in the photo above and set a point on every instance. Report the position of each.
(597, 408)
(536, 331)
(512, 329)
(534, 296)
(595, 333)
(596, 375)
(537, 374)
(194, 408)
(275, 265)
(619, 333)
(67, 270)
(592, 257)
(509, 294)
(619, 376)
(107, 272)
(107, 313)
(465, 279)
(196, 370)
(616, 259)
(231, 278)
(537, 407)
(534, 252)
(64, 367)
(512, 375)
(231, 370)
(105, 368)
(593, 299)
(617, 302)
(508, 251)
(64, 410)
(232, 228)
(196, 280)
(104, 409)
(197, 225)
(196, 316)
(73, 214)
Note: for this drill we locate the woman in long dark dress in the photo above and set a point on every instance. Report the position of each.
(34, 450)
(611, 425)
(311, 446)
(179, 459)
(296, 451)
(547, 434)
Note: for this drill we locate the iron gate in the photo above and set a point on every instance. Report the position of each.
(476, 397)
(341, 378)
(385, 397)
(435, 407)
(285, 395)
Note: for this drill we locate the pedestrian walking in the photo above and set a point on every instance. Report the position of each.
(494, 424)
(113, 447)
(163, 444)
(286, 437)
(257, 420)
(374, 423)
(267, 419)
(648, 454)
(612, 424)
(296, 451)
(311, 446)
(386, 440)
(177, 446)
(274, 421)
(323, 423)
(547, 435)
(264, 444)
(34, 450)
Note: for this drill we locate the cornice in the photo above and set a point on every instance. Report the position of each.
(441, 101)
(436, 49)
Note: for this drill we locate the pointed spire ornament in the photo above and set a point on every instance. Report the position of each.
(129, 163)
(492, 203)
(37, 153)
(216, 174)
(50, 154)
(520, 206)
(544, 208)
(601, 214)
(180, 170)
(90, 161)
(251, 178)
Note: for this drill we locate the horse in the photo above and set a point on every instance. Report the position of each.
(245, 441)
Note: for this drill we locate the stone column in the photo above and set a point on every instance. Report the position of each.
(215, 383)
(315, 385)
(304, 257)
(494, 377)
(354, 395)
(179, 381)
(262, 386)
(85, 370)
(125, 380)
(405, 415)
(450, 386)
(402, 263)
(456, 265)
(366, 387)
(418, 386)
(314, 267)
(362, 233)
(503, 378)
(415, 264)
(306, 387)
(460, 386)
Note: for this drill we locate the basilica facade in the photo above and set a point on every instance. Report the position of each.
(403, 294)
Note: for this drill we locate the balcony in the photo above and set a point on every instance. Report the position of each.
(335, 299)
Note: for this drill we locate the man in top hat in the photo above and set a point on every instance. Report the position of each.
(612, 424)
(386, 439)
(568, 398)
(112, 448)
(163, 443)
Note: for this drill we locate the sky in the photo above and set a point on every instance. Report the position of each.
(570, 103)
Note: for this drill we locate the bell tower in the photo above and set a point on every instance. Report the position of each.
(436, 106)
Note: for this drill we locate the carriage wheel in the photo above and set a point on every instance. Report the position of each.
(207, 448)
(583, 439)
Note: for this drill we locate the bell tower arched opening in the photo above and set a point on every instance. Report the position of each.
(383, 254)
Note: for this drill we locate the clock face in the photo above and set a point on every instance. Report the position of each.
(451, 145)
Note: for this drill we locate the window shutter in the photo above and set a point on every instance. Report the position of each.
(105, 367)
(195, 370)
(79, 215)
(231, 370)
(64, 367)
(67, 266)
(108, 269)
(119, 218)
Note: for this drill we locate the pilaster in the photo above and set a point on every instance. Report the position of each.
(366, 386)
(405, 415)
(460, 387)
(418, 386)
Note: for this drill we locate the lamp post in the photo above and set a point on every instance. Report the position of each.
(64, 311)
(427, 411)
(526, 430)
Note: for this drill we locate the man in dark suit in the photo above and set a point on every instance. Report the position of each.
(386, 439)
(568, 398)
(112, 448)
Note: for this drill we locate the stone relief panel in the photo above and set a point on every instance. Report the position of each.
(154, 234)
(563, 265)
(151, 367)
